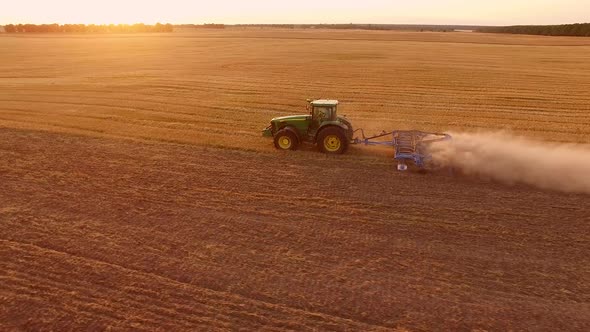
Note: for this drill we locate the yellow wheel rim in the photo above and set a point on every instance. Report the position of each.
(332, 143)
(285, 142)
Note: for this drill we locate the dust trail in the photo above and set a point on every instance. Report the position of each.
(512, 159)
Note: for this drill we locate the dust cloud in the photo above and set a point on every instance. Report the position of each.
(512, 159)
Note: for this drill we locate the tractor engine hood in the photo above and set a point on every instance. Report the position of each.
(291, 118)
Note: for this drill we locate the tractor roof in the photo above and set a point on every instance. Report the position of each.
(324, 102)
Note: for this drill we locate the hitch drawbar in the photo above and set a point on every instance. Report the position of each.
(409, 145)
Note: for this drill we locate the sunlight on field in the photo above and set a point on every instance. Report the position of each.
(105, 225)
(221, 88)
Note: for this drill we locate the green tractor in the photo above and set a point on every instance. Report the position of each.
(322, 126)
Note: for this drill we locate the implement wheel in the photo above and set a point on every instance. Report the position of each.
(286, 139)
(332, 140)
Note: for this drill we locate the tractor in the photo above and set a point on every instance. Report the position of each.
(322, 126)
(333, 134)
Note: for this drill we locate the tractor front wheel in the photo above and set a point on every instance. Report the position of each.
(286, 139)
(332, 140)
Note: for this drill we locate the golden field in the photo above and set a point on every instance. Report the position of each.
(220, 88)
(136, 192)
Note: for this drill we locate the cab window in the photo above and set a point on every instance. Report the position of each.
(321, 113)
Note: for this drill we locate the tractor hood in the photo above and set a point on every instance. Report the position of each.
(292, 118)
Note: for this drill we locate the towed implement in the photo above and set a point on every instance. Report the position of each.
(333, 134)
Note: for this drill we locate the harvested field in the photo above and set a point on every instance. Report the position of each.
(217, 89)
(137, 193)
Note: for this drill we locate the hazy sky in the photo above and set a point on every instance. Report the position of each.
(491, 12)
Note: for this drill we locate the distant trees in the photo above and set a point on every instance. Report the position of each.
(213, 26)
(578, 29)
(202, 26)
(351, 26)
(91, 28)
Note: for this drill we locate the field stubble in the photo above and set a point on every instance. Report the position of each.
(119, 208)
(221, 88)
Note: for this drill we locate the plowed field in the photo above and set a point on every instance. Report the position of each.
(136, 192)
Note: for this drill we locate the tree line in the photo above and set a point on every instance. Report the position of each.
(578, 29)
(90, 28)
(201, 26)
(354, 26)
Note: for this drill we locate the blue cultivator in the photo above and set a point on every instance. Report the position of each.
(409, 145)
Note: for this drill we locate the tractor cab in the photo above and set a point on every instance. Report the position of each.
(321, 110)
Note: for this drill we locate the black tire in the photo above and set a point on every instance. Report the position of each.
(332, 140)
(286, 139)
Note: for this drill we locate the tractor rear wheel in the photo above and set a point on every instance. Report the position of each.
(332, 140)
(286, 139)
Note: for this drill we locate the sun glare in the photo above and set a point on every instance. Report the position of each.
(499, 12)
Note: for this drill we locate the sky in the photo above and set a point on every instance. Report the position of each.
(468, 12)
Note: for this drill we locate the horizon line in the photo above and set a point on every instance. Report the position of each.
(303, 24)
